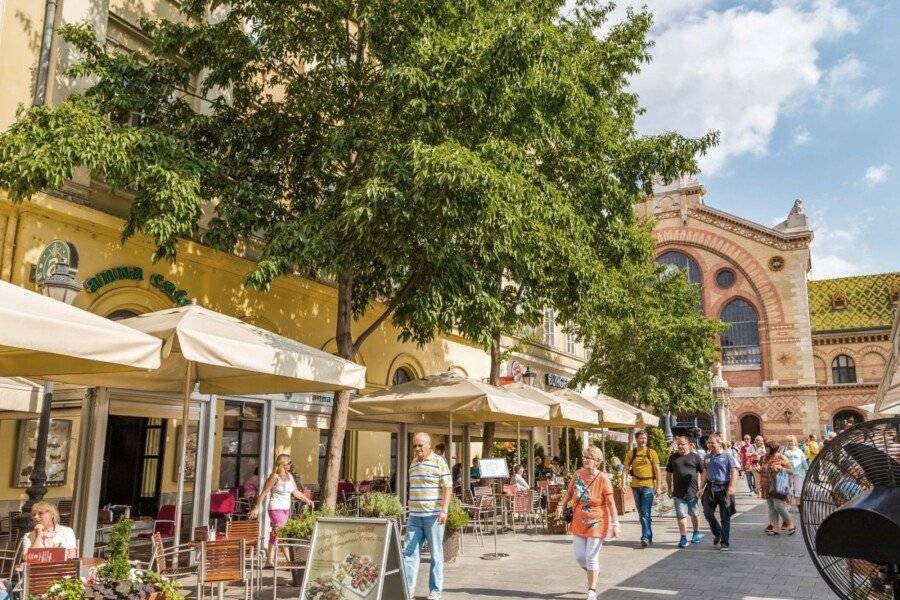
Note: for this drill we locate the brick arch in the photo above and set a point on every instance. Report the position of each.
(873, 349)
(840, 350)
(671, 238)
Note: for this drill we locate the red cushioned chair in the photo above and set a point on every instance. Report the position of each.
(164, 524)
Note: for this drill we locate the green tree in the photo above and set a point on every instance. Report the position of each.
(420, 156)
(654, 348)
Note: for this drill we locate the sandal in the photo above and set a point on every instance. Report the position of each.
(771, 532)
(792, 530)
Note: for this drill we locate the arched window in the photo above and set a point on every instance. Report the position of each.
(686, 264)
(118, 315)
(846, 418)
(740, 341)
(401, 375)
(843, 369)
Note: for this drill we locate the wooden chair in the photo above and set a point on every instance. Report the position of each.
(291, 554)
(64, 506)
(38, 578)
(248, 530)
(8, 561)
(220, 563)
(522, 504)
(165, 561)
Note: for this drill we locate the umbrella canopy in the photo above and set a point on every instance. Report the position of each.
(870, 408)
(434, 399)
(888, 394)
(20, 395)
(42, 337)
(232, 357)
(563, 413)
(609, 415)
(643, 417)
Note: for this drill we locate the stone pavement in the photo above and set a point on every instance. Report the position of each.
(757, 567)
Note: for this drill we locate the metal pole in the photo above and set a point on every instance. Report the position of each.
(43, 70)
(450, 441)
(182, 450)
(38, 487)
(568, 452)
(518, 457)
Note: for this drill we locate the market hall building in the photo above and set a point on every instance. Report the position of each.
(798, 356)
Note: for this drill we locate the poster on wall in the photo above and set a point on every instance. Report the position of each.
(190, 455)
(354, 559)
(57, 466)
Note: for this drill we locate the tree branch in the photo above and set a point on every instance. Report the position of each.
(389, 309)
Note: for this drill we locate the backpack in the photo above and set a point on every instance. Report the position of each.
(653, 463)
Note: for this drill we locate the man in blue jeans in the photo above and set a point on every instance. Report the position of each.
(430, 489)
(717, 482)
(642, 463)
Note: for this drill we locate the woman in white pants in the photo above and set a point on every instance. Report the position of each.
(594, 517)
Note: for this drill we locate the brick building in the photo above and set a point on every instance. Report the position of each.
(799, 356)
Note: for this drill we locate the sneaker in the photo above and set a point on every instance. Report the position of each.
(682, 543)
(724, 546)
(644, 542)
(716, 541)
(592, 595)
(695, 539)
(434, 596)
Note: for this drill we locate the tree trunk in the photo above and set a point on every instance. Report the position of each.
(345, 349)
(490, 429)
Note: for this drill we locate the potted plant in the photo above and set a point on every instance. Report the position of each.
(621, 493)
(301, 527)
(457, 519)
(117, 579)
(555, 524)
(379, 505)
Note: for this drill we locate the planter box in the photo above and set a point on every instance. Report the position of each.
(554, 525)
(624, 499)
(452, 545)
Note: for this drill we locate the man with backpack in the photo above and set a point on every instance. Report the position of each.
(642, 463)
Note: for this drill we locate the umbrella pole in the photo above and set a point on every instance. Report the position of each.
(518, 435)
(603, 443)
(568, 451)
(450, 442)
(182, 450)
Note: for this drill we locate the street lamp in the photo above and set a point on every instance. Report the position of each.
(788, 415)
(528, 376)
(58, 282)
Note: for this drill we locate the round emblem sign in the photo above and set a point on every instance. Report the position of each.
(57, 251)
(776, 263)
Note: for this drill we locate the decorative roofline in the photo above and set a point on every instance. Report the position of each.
(743, 227)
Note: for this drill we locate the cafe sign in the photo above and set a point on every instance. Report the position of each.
(127, 273)
(557, 381)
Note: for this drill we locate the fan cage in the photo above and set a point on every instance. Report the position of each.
(833, 479)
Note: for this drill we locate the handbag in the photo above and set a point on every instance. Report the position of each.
(780, 486)
(568, 514)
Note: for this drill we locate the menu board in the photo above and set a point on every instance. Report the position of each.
(354, 559)
(493, 468)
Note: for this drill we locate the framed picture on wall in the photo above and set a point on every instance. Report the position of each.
(190, 456)
(58, 440)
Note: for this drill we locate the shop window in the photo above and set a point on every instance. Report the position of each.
(843, 369)
(241, 443)
(690, 267)
(401, 375)
(740, 341)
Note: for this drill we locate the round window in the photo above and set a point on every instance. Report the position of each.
(725, 278)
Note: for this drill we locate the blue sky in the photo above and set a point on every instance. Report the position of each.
(805, 96)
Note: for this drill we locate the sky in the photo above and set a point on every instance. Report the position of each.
(804, 94)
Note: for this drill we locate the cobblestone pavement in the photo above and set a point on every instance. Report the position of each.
(757, 567)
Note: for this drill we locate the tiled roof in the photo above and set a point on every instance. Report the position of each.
(866, 297)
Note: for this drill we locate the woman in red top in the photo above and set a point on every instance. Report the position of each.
(594, 518)
(769, 466)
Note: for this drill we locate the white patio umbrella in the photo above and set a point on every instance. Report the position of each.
(224, 355)
(609, 415)
(870, 408)
(43, 337)
(644, 418)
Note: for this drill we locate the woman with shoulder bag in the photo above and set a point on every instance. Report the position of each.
(593, 514)
(774, 479)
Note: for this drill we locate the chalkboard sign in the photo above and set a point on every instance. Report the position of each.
(354, 559)
(493, 468)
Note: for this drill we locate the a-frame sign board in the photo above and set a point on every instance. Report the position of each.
(354, 559)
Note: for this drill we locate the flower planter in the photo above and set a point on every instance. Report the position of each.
(624, 499)
(452, 545)
(554, 525)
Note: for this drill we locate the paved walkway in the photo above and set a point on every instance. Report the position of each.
(757, 567)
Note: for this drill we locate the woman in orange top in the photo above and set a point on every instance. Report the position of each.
(594, 517)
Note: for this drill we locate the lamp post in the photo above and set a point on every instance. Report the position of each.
(528, 376)
(60, 285)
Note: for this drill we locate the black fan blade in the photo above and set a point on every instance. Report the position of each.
(880, 469)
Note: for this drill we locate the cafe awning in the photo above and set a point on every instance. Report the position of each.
(42, 337)
(609, 415)
(563, 413)
(888, 394)
(20, 395)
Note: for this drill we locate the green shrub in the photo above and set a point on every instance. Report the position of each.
(380, 505)
(656, 439)
(117, 565)
(457, 517)
(301, 526)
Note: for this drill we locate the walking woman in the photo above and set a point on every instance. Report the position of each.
(769, 467)
(798, 461)
(281, 485)
(594, 517)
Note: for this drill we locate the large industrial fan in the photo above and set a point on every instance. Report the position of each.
(851, 511)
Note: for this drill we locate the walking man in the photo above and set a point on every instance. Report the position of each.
(682, 478)
(430, 489)
(642, 463)
(717, 490)
(747, 455)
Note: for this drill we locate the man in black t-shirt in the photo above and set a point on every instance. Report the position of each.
(682, 477)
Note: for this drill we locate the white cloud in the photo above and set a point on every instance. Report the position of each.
(801, 136)
(844, 85)
(737, 70)
(876, 174)
(839, 251)
(830, 266)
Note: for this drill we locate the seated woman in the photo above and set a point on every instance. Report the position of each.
(518, 480)
(48, 533)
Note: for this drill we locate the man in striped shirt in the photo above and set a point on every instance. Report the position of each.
(430, 489)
